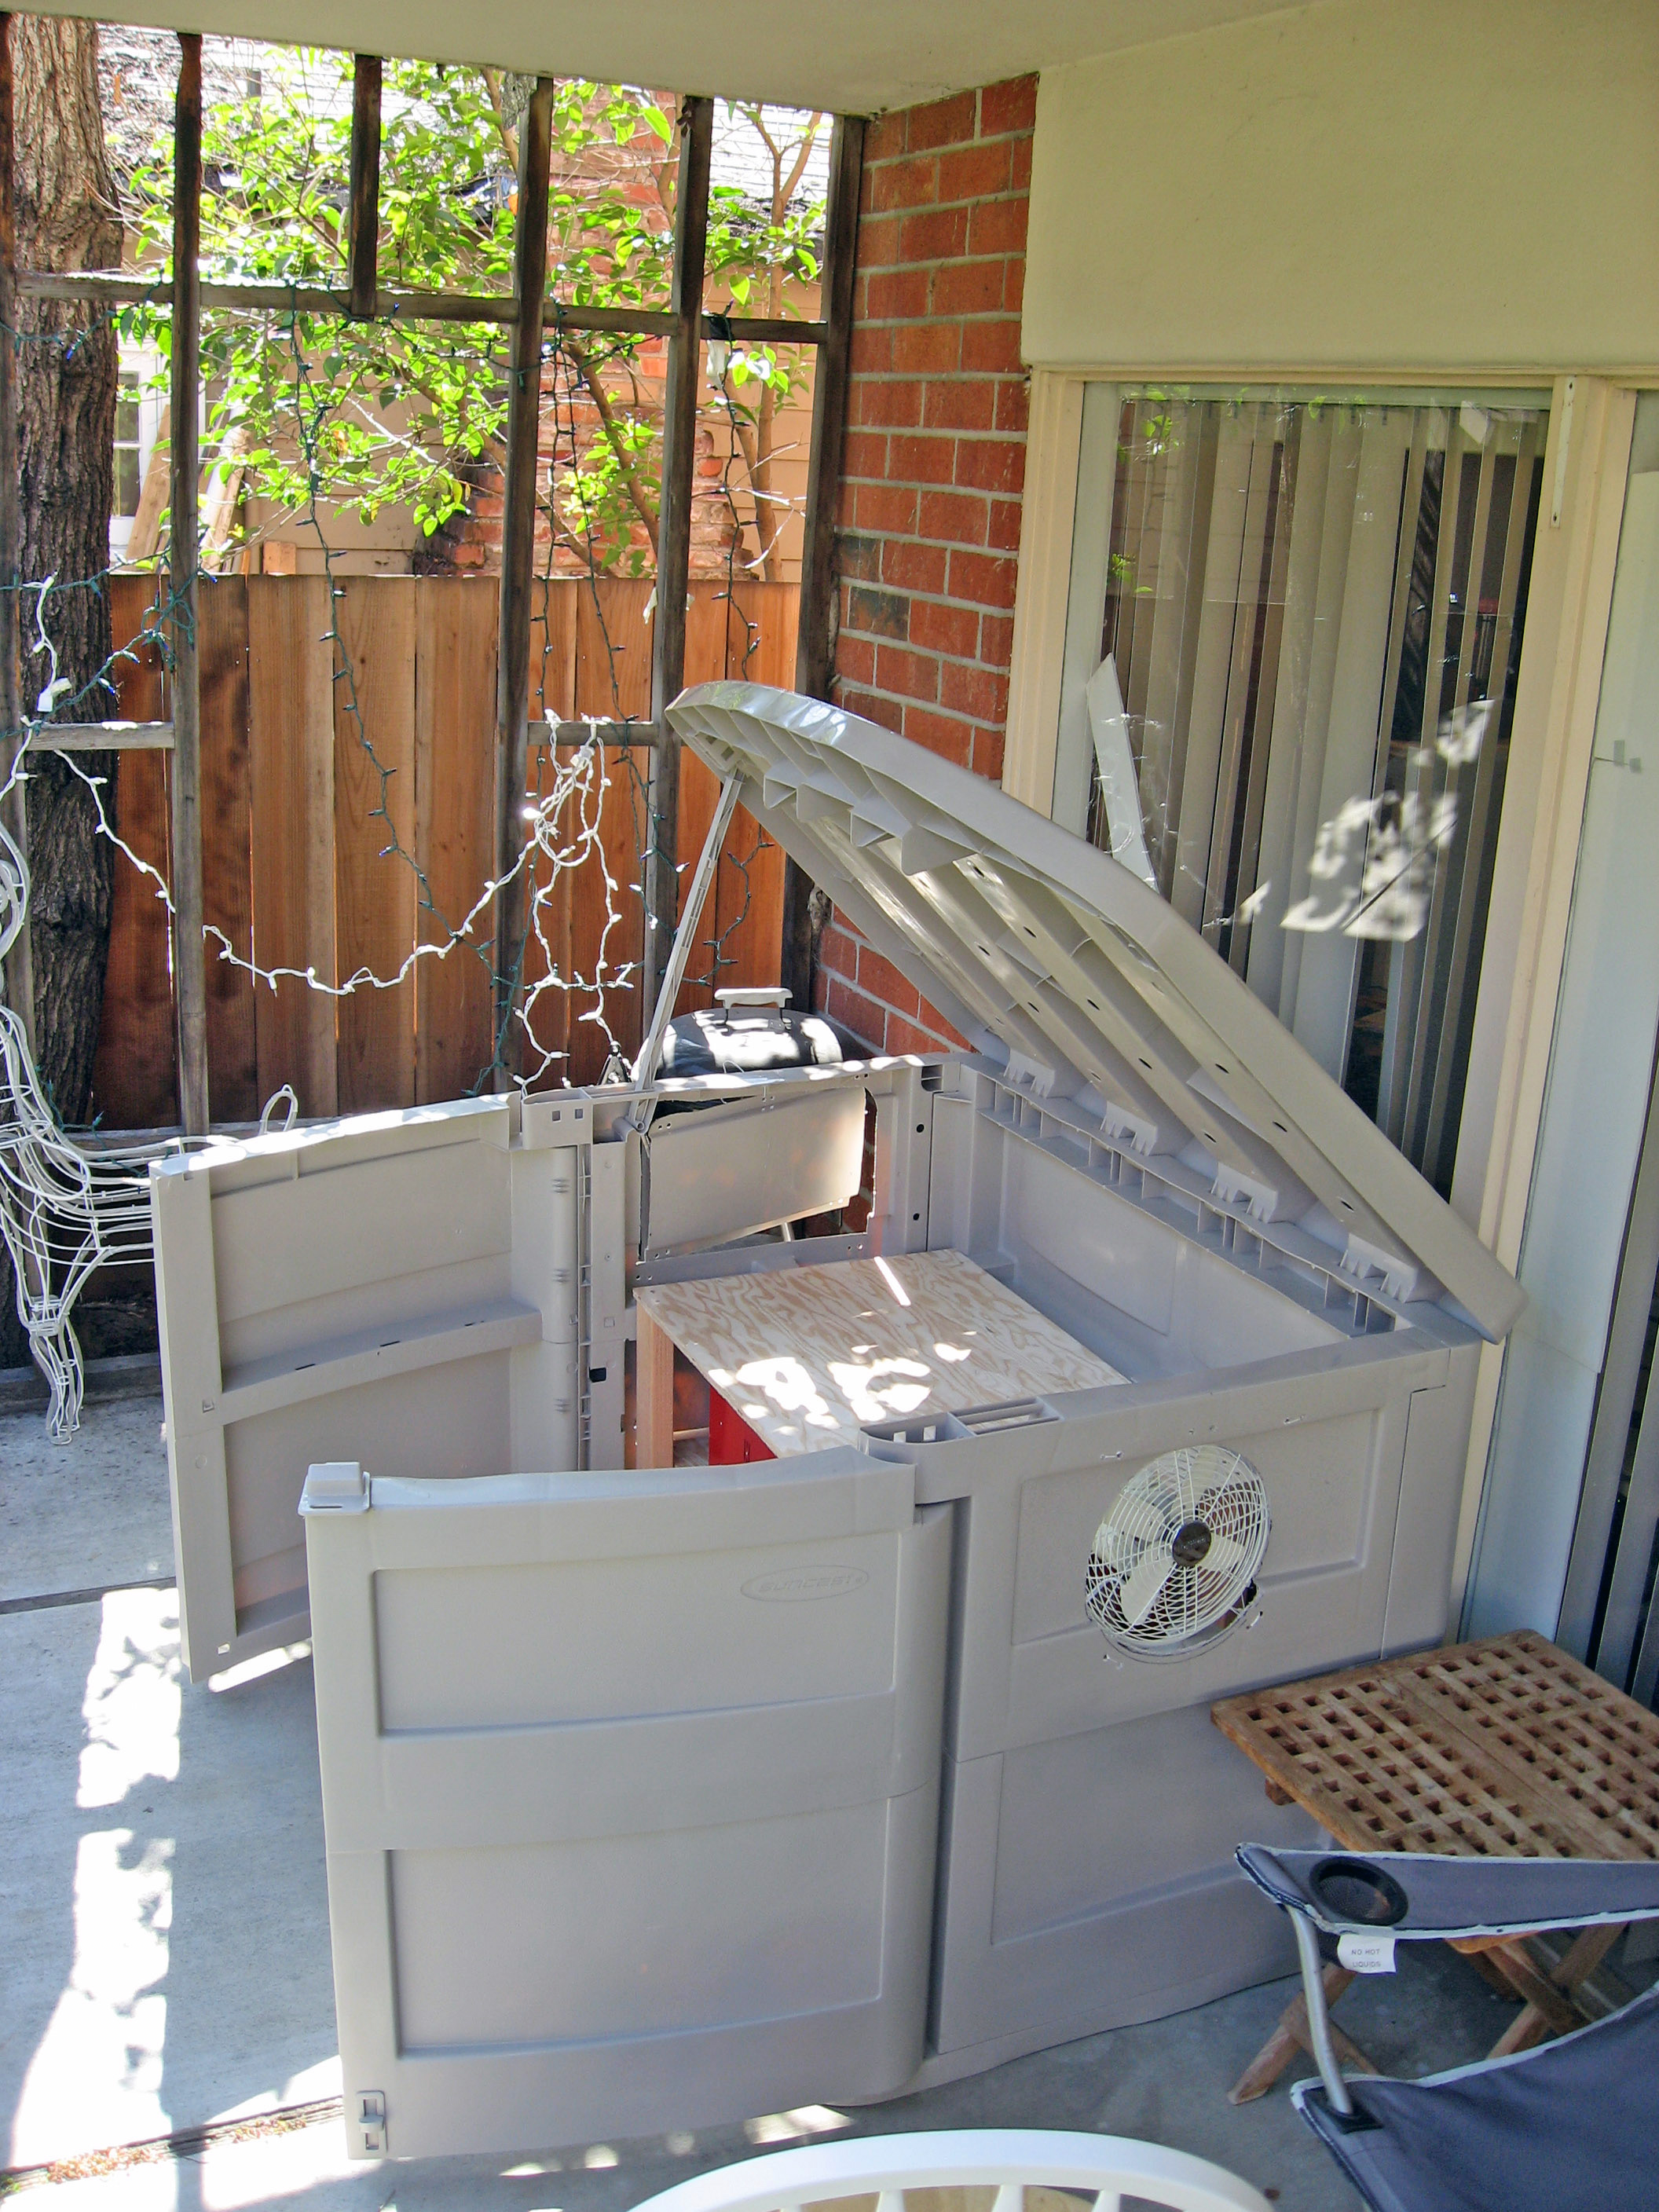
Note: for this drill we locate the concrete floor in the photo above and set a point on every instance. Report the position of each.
(168, 1960)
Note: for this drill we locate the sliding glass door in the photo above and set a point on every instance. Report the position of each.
(1292, 637)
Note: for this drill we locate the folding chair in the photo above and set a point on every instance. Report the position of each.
(1569, 2126)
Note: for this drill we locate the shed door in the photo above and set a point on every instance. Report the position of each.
(630, 1786)
(353, 1291)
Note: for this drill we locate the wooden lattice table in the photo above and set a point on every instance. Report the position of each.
(1506, 1749)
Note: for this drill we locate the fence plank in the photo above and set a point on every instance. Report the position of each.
(455, 647)
(135, 1080)
(291, 751)
(227, 845)
(374, 885)
(749, 895)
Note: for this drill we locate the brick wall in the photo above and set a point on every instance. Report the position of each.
(934, 470)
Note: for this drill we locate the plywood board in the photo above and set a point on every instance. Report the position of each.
(809, 1355)
(291, 751)
(227, 847)
(456, 628)
(374, 837)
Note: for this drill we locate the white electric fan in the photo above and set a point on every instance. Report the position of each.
(1174, 1563)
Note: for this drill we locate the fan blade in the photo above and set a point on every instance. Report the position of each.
(1224, 1556)
(1143, 1587)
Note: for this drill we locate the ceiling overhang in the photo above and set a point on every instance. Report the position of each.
(864, 56)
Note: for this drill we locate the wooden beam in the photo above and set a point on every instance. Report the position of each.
(517, 554)
(20, 966)
(608, 733)
(189, 973)
(435, 307)
(365, 217)
(680, 454)
(814, 652)
(103, 738)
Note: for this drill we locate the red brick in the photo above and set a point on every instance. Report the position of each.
(991, 347)
(868, 1021)
(922, 460)
(899, 294)
(859, 556)
(905, 1036)
(994, 227)
(839, 951)
(913, 567)
(892, 400)
(941, 733)
(940, 234)
(907, 675)
(988, 747)
(964, 404)
(967, 172)
(925, 348)
(968, 287)
(954, 517)
(883, 137)
(873, 350)
(865, 455)
(945, 628)
(1020, 165)
(882, 980)
(996, 640)
(989, 464)
(1010, 105)
(889, 507)
(1013, 407)
(911, 184)
(844, 508)
(980, 692)
(982, 579)
(878, 241)
(1013, 286)
(1003, 536)
(941, 123)
(855, 657)
(873, 708)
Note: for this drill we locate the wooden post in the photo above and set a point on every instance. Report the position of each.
(518, 555)
(189, 974)
(20, 967)
(814, 652)
(364, 236)
(679, 446)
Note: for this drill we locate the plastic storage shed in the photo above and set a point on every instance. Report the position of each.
(656, 1799)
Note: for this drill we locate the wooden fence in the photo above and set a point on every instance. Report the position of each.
(297, 872)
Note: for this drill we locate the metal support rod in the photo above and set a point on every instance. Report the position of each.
(364, 242)
(517, 554)
(696, 897)
(189, 972)
(20, 966)
(414, 307)
(679, 445)
(815, 631)
(1319, 2020)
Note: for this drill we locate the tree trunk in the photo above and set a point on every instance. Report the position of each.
(68, 218)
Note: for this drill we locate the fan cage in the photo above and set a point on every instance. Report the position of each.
(1198, 1603)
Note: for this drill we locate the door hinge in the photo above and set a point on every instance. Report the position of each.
(371, 2121)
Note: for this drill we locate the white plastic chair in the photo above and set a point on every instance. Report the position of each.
(1108, 2168)
(64, 1209)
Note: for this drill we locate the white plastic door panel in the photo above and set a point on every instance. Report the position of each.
(352, 1291)
(630, 1785)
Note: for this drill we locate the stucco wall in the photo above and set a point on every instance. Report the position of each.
(1427, 185)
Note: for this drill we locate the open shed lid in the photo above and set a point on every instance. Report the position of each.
(1062, 967)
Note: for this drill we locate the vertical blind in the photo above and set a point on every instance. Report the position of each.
(1300, 713)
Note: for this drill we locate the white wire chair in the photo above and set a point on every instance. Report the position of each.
(1108, 2168)
(65, 1209)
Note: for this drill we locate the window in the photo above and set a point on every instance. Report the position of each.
(138, 414)
(1291, 645)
